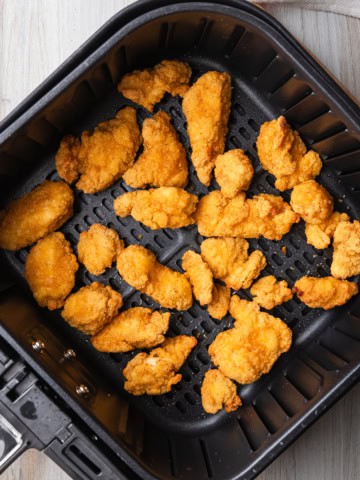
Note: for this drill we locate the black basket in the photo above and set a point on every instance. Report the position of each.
(170, 436)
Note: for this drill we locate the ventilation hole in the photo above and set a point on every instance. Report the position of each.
(159, 241)
(235, 142)
(158, 401)
(309, 258)
(322, 272)
(99, 213)
(203, 357)
(194, 366)
(300, 266)
(263, 244)
(305, 311)
(186, 377)
(175, 112)
(288, 307)
(201, 31)
(179, 262)
(79, 228)
(21, 256)
(294, 242)
(239, 109)
(147, 300)
(170, 395)
(244, 133)
(206, 326)
(114, 193)
(183, 139)
(85, 460)
(84, 198)
(278, 260)
(233, 40)
(180, 406)
(111, 225)
(185, 321)
(71, 237)
(290, 272)
(328, 262)
(192, 313)
(253, 125)
(178, 386)
(232, 119)
(136, 234)
(197, 389)
(175, 329)
(115, 283)
(270, 180)
(197, 334)
(88, 220)
(207, 458)
(190, 398)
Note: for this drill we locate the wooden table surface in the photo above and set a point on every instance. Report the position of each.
(36, 36)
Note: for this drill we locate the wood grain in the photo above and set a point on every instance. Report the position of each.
(36, 36)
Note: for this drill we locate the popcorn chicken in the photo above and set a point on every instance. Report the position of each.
(218, 392)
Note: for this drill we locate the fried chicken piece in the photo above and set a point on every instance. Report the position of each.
(98, 248)
(217, 392)
(155, 373)
(164, 207)
(233, 172)
(249, 350)
(163, 162)
(283, 154)
(147, 87)
(134, 328)
(220, 302)
(263, 215)
(325, 292)
(199, 275)
(35, 215)
(101, 157)
(230, 262)
(92, 307)
(268, 292)
(206, 106)
(312, 202)
(320, 235)
(346, 256)
(140, 269)
(50, 270)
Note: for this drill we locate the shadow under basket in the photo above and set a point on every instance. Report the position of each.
(170, 436)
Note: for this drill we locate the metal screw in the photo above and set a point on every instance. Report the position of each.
(82, 390)
(69, 354)
(38, 345)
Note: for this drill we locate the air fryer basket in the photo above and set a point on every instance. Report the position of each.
(170, 436)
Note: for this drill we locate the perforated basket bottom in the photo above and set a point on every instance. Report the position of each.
(181, 408)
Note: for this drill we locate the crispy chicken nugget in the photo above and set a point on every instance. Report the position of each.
(320, 235)
(263, 215)
(233, 172)
(283, 154)
(140, 269)
(92, 307)
(35, 215)
(312, 202)
(200, 276)
(346, 257)
(217, 392)
(147, 87)
(220, 302)
(269, 292)
(230, 262)
(164, 207)
(50, 270)
(136, 327)
(101, 157)
(155, 373)
(249, 350)
(206, 106)
(98, 248)
(163, 162)
(325, 292)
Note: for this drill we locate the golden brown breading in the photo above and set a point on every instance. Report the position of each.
(269, 292)
(346, 256)
(283, 154)
(92, 307)
(217, 392)
(199, 275)
(164, 207)
(35, 215)
(163, 162)
(101, 157)
(230, 262)
(140, 269)
(249, 350)
(50, 270)
(325, 292)
(263, 215)
(134, 328)
(233, 172)
(320, 235)
(206, 106)
(98, 248)
(312, 202)
(220, 302)
(147, 87)
(155, 373)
